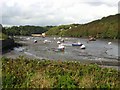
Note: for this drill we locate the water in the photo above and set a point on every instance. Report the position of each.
(96, 51)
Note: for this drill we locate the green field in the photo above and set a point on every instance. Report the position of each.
(26, 73)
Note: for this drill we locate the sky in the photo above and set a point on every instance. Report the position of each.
(54, 12)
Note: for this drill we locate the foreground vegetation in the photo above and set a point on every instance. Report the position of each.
(25, 73)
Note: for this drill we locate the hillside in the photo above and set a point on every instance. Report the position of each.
(24, 30)
(107, 27)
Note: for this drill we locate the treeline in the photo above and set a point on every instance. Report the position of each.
(107, 27)
(24, 30)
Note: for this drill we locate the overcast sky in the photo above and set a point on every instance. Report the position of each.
(55, 12)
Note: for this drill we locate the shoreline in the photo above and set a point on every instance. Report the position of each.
(100, 61)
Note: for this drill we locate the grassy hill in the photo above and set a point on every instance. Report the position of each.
(107, 27)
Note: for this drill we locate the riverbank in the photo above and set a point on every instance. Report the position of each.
(35, 73)
(98, 51)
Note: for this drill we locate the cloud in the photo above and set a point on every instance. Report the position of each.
(55, 12)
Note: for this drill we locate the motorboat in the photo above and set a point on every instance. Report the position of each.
(82, 47)
(77, 44)
(54, 38)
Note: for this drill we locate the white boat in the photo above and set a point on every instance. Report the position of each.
(46, 41)
(54, 38)
(59, 38)
(61, 47)
(62, 40)
(109, 43)
(35, 41)
(58, 42)
(82, 47)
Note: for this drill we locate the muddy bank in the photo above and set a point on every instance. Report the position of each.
(98, 51)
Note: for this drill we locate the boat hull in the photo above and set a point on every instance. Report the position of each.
(76, 44)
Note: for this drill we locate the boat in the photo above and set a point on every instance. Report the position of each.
(35, 41)
(82, 47)
(62, 40)
(61, 47)
(77, 44)
(58, 42)
(109, 43)
(59, 38)
(54, 38)
(92, 39)
(46, 41)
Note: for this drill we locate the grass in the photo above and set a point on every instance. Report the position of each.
(26, 73)
(3, 36)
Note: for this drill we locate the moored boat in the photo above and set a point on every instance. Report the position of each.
(82, 47)
(61, 47)
(77, 44)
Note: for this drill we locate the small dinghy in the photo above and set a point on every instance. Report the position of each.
(35, 41)
(82, 47)
(62, 40)
(61, 47)
(59, 38)
(54, 38)
(109, 43)
(58, 42)
(77, 44)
